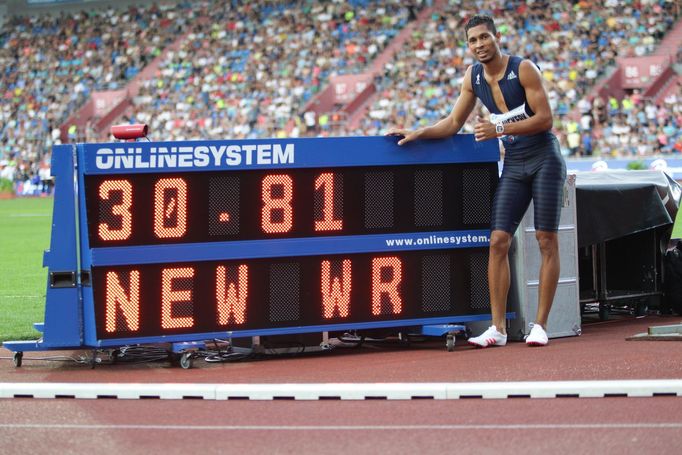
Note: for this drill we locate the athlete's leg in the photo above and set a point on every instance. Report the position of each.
(511, 200)
(548, 187)
(549, 273)
(498, 277)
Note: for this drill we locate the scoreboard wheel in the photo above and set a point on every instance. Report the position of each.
(450, 342)
(186, 360)
(17, 358)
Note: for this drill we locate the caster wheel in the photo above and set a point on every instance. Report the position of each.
(450, 343)
(186, 360)
(114, 355)
(94, 360)
(17, 358)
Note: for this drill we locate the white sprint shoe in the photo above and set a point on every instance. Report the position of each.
(490, 337)
(537, 336)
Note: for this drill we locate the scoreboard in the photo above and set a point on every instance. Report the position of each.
(186, 241)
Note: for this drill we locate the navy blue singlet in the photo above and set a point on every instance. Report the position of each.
(533, 165)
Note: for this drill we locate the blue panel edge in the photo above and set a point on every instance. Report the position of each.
(227, 155)
(292, 247)
(440, 329)
(297, 330)
(63, 326)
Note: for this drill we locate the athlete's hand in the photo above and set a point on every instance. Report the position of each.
(408, 136)
(484, 130)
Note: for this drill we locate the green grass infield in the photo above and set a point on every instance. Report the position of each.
(24, 235)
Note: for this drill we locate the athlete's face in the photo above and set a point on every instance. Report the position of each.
(482, 43)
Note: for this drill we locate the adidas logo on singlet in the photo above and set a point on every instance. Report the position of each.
(511, 76)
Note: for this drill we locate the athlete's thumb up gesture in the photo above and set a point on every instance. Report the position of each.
(484, 129)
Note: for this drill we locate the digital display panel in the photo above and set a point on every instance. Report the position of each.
(184, 241)
(220, 296)
(164, 208)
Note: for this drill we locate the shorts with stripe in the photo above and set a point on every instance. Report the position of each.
(536, 173)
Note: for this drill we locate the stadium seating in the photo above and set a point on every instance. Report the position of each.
(246, 69)
(574, 44)
(251, 78)
(51, 63)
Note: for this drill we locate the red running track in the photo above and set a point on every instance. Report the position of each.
(557, 425)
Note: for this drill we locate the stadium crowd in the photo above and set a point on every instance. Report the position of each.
(252, 76)
(246, 69)
(573, 43)
(630, 127)
(50, 64)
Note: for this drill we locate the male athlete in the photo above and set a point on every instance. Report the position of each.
(512, 90)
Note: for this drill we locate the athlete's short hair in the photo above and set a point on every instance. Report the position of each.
(480, 19)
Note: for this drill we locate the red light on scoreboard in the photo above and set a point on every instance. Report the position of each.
(336, 295)
(231, 302)
(127, 302)
(170, 208)
(325, 183)
(120, 213)
(277, 213)
(386, 280)
(173, 300)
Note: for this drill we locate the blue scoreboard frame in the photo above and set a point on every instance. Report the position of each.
(188, 241)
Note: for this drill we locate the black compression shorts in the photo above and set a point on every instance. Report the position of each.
(539, 173)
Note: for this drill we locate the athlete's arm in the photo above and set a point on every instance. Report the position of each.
(538, 101)
(449, 125)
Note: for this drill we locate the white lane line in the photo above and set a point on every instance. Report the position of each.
(347, 391)
(549, 426)
(20, 296)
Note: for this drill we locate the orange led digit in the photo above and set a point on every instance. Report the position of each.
(129, 303)
(171, 297)
(336, 296)
(122, 210)
(170, 208)
(387, 287)
(277, 206)
(231, 304)
(325, 182)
